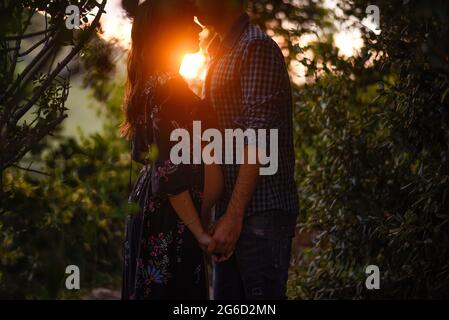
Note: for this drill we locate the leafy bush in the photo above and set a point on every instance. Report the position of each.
(73, 216)
(372, 159)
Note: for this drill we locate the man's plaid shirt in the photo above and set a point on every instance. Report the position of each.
(249, 87)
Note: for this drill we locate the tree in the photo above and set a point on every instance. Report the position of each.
(74, 215)
(372, 143)
(33, 87)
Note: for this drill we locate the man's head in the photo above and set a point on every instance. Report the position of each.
(213, 12)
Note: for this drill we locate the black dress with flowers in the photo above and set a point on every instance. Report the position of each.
(162, 259)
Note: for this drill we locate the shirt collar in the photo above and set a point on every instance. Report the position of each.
(232, 36)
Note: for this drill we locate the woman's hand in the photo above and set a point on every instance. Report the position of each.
(203, 240)
(225, 235)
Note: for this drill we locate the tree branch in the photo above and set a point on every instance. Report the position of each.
(18, 43)
(25, 147)
(37, 44)
(9, 49)
(25, 36)
(31, 170)
(85, 37)
(28, 68)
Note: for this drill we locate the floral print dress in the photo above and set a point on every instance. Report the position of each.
(162, 259)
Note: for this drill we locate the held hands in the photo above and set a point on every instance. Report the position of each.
(204, 240)
(225, 235)
(220, 239)
(226, 231)
(204, 237)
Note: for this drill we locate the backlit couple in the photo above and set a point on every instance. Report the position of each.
(247, 87)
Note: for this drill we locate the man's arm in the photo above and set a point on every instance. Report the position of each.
(261, 76)
(245, 184)
(228, 228)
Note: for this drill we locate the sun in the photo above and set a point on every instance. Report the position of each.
(193, 66)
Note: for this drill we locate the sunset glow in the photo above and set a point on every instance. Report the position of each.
(193, 66)
(349, 43)
(117, 26)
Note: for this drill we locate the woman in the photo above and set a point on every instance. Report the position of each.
(163, 257)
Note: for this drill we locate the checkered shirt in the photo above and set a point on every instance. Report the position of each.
(249, 87)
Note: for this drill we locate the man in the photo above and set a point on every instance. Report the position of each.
(249, 87)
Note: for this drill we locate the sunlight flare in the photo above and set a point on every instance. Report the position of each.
(193, 66)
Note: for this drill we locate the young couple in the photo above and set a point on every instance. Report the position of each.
(247, 87)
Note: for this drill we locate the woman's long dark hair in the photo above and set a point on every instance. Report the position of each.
(140, 63)
(148, 36)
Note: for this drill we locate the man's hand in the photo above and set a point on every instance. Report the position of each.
(225, 235)
(227, 229)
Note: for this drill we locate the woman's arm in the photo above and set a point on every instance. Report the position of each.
(213, 189)
(184, 207)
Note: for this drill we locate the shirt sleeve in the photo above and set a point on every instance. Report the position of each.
(262, 72)
(170, 179)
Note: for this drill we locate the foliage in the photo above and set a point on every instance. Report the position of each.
(288, 20)
(33, 87)
(74, 215)
(372, 150)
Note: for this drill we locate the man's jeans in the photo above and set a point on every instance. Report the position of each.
(259, 267)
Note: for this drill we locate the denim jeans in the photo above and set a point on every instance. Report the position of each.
(259, 267)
